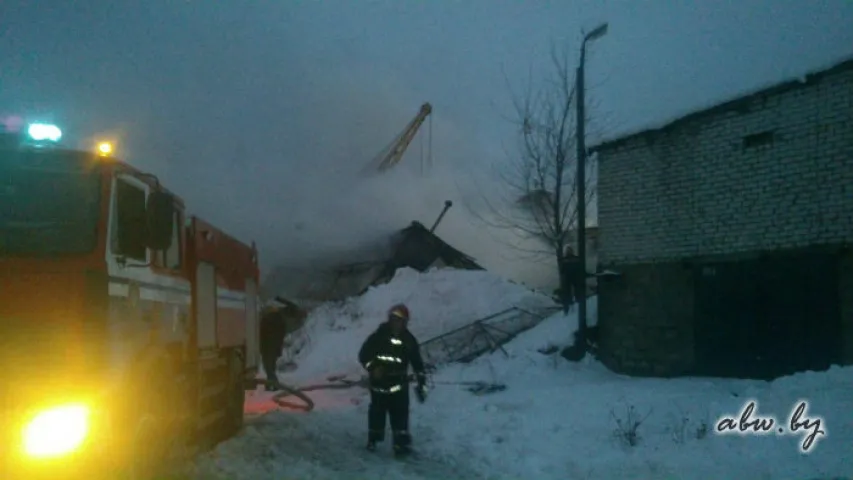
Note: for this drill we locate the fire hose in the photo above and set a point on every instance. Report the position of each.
(287, 391)
(341, 383)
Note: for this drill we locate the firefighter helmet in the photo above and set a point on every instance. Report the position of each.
(399, 311)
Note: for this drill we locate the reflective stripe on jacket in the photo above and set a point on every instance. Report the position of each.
(393, 354)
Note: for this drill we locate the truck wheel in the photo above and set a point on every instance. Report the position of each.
(236, 396)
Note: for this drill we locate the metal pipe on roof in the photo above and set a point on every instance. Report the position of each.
(447, 205)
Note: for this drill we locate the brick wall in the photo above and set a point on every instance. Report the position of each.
(699, 188)
(695, 190)
(641, 343)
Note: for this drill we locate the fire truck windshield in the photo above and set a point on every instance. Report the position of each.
(49, 202)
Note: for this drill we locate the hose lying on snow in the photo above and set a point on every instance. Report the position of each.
(341, 383)
(285, 391)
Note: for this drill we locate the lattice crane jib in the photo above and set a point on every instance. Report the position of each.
(401, 143)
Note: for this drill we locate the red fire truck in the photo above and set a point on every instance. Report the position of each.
(128, 327)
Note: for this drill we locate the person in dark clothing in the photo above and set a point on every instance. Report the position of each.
(273, 329)
(386, 355)
(570, 273)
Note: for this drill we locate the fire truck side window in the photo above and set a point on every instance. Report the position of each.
(130, 220)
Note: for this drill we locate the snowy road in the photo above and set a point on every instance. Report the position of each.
(321, 445)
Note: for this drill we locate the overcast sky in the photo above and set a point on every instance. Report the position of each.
(259, 112)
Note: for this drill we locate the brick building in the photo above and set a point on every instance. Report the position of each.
(731, 229)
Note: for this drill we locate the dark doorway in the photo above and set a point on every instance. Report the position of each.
(767, 317)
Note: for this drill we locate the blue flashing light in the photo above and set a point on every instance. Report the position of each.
(41, 132)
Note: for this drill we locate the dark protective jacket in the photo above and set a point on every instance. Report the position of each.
(393, 355)
(273, 329)
(571, 271)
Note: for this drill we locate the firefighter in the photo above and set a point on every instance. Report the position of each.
(386, 355)
(273, 329)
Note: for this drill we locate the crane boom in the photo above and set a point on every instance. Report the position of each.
(399, 147)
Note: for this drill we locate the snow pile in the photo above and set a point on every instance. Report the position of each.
(439, 300)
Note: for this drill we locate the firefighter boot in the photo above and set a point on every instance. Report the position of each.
(272, 386)
(374, 436)
(402, 443)
(402, 450)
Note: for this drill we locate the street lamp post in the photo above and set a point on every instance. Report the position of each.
(596, 33)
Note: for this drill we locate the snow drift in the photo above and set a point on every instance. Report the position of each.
(439, 300)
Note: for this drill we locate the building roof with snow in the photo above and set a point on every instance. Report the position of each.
(737, 104)
(420, 249)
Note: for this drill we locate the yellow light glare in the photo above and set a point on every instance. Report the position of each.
(56, 431)
(105, 148)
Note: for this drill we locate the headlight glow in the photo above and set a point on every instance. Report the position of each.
(56, 431)
(105, 149)
(44, 131)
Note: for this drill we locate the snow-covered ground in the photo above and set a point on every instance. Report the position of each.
(555, 420)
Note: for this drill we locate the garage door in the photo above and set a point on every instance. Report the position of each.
(767, 317)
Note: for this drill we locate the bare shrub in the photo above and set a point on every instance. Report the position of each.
(683, 426)
(627, 429)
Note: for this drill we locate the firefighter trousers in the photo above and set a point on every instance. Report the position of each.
(269, 358)
(394, 405)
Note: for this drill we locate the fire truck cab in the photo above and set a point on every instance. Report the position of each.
(129, 327)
